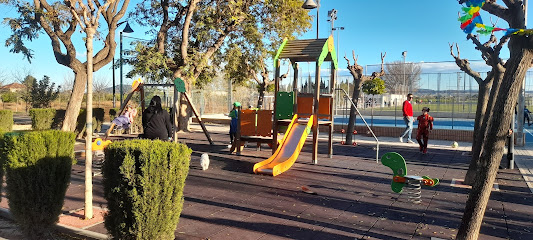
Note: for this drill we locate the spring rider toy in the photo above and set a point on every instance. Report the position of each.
(396, 162)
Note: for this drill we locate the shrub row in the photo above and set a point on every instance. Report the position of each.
(6, 120)
(42, 118)
(143, 184)
(38, 167)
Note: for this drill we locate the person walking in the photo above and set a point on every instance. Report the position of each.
(425, 125)
(156, 121)
(407, 110)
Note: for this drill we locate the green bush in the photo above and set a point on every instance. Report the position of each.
(113, 113)
(6, 120)
(98, 114)
(42, 118)
(98, 120)
(143, 184)
(38, 166)
(58, 119)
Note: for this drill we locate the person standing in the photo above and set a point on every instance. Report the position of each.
(407, 110)
(425, 125)
(156, 121)
(234, 115)
(526, 116)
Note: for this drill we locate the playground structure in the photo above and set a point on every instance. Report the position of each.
(179, 88)
(253, 126)
(396, 162)
(301, 112)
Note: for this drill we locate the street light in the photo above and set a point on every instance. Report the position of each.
(127, 29)
(338, 29)
(310, 4)
(404, 54)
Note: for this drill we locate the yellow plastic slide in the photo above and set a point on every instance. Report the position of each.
(288, 149)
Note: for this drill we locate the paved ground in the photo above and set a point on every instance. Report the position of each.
(353, 196)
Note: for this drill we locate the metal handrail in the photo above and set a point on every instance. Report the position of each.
(362, 118)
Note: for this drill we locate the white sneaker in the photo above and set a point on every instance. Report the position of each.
(409, 141)
(401, 139)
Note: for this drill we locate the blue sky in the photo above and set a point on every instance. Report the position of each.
(422, 28)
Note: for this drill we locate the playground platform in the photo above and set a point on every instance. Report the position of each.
(353, 197)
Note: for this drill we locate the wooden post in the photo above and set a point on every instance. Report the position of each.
(332, 92)
(199, 119)
(141, 88)
(176, 112)
(275, 122)
(295, 88)
(315, 113)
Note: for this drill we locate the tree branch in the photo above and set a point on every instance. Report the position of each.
(464, 65)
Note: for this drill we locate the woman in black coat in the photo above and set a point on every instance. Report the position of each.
(156, 121)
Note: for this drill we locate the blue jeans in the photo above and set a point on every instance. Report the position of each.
(409, 127)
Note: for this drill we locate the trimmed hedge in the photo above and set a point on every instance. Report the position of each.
(59, 118)
(38, 167)
(143, 184)
(6, 120)
(98, 120)
(42, 118)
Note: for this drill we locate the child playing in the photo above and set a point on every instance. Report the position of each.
(234, 115)
(425, 125)
(126, 119)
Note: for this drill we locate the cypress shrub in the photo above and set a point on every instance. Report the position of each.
(38, 166)
(6, 120)
(42, 118)
(143, 184)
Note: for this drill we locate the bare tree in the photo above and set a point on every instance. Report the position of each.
(20, 74)
(3, 77)
(100, 84)
(505, 92)
(358, 78)
(401, 78)
(485, 86)
(264, 82)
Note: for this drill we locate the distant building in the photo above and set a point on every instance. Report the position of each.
(13, 87)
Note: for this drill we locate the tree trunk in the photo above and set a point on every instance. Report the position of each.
(261, 95)
(76, 98)
(184, 111)
(351, 122)
(88, 209)
(479, 130)
(502, 115)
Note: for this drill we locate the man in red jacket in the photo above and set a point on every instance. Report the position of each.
(407, 110)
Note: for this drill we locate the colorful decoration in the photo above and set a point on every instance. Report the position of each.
(470, 19)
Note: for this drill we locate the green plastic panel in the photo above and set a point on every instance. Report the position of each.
(284, 105)
(180, 85)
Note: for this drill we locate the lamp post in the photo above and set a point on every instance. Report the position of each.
(310, 4)
(337, 51)
(404, 54)
(113, 67)
(127, 29)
